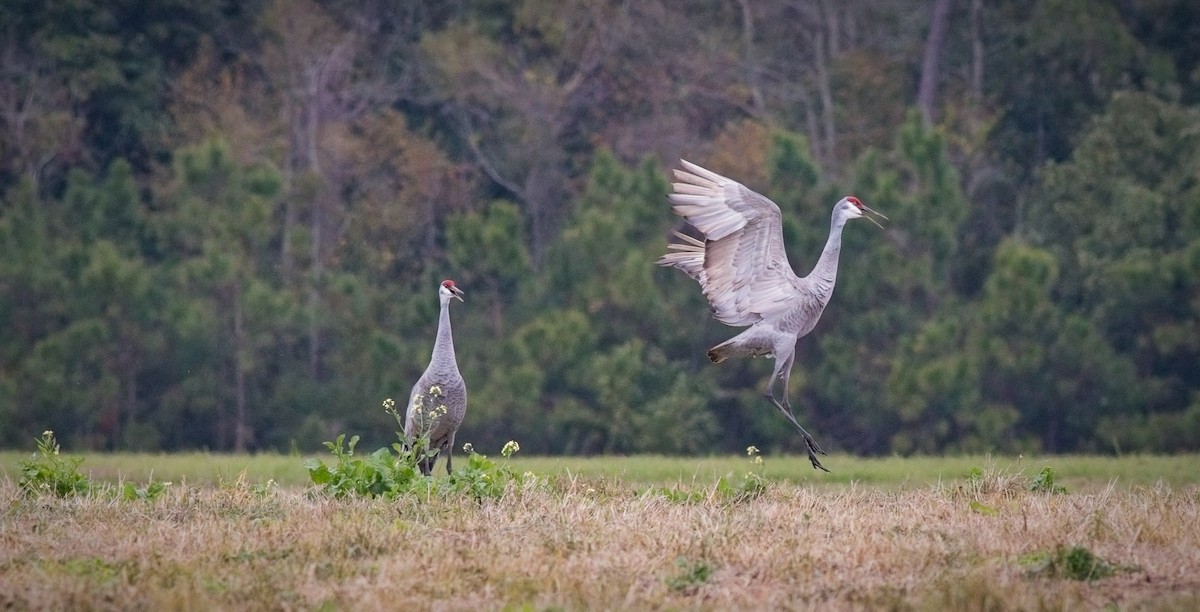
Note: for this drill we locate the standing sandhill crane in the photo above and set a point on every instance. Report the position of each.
(438, 401)
(744, 272)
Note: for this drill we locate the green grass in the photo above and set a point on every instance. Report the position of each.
(1076, 472)
(193, 468)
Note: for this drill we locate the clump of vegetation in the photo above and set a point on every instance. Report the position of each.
(49, 472)
(1043, 482)
(990, 482)
(1075, 563)
(150, 492)
(980, 482)
(392, 472)
(691, 575)
(731, 488)
(379, 474)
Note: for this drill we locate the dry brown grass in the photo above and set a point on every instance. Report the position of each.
(597, 543)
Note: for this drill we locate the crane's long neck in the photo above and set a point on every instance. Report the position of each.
(824, 274)
(443, 347)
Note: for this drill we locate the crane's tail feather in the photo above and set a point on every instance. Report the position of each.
(744, 344)
(725, 350)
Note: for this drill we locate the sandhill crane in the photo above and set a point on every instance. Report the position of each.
(744, 272)
(438, 401)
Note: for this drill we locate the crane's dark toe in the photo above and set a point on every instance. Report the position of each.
(813, 449)
(816, 463)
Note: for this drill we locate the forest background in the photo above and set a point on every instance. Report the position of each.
(222, 223)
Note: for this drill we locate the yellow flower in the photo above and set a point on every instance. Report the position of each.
(510, 447)
(751, 450)
(467, 448)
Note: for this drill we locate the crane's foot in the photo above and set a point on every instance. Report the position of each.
(813, 449)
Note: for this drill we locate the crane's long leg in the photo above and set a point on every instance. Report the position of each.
(449, 450)
(783, 370)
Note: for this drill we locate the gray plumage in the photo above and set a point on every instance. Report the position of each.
(743, 270)
(438, 402)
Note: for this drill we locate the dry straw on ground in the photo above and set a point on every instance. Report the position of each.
(571, 543)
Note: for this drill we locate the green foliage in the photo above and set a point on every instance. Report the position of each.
(1170, 432)
(690, 575)
(379, 474)
(1074, 563)
(729, 488)
(982, 508)
(1083, 47)
(395, 472)
(1122, 218)
(150, 492)
(1043, 482)
(1010, 371)
(48, 472)
(484, 478)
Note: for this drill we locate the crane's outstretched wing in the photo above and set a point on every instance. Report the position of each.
(741, 265)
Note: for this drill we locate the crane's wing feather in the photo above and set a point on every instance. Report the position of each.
(741, 265)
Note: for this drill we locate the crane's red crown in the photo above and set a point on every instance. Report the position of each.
(855, 201)
(448, 283)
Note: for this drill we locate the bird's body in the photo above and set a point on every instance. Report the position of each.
(438, 402)
(743, 270)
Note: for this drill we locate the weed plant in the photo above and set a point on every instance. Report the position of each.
(730, 488)
(50, 472)
(1073, 563)
(393, 472)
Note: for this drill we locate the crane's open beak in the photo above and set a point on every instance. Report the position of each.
(458, 293)
(872, 219)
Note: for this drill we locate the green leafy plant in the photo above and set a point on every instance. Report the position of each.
(979, 507)
(152, 491)
(48, 472)
(690, 575)
(1075, 563)
(730, 488)
(375, 475)
(427, 408)
(974, 476)
(263, 489)
(754, 483)
(1043, 482)
(395, 471)
(483, 477)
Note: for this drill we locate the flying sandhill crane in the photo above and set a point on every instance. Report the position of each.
(744, 272)
(438, 401)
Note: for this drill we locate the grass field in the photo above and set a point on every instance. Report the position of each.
(1076, 471)
(617, 533)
